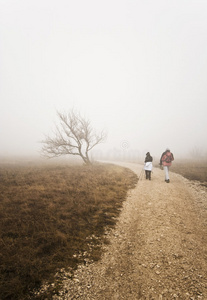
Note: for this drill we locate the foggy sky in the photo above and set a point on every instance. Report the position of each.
(135, 68)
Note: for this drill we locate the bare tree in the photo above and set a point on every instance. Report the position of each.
(73, 136)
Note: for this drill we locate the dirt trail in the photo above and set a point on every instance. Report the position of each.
(158, 249)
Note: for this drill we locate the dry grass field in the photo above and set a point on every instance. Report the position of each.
(54, 217)
(191, 169)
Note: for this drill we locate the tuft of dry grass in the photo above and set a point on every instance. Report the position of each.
(51, 215)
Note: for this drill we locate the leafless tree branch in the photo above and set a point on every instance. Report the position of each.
(74, 135)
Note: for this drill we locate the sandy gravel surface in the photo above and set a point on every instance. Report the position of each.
(158, 249)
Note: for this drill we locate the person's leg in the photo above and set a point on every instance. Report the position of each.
(146, 173)
(149, 175)
(166, 169)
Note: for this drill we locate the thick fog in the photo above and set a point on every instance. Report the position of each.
(136, 69)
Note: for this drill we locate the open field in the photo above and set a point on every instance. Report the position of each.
(54, 217)
(193, 170)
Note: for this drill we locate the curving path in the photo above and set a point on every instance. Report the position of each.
(158, 249)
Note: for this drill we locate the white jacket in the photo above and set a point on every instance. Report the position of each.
(148, 166)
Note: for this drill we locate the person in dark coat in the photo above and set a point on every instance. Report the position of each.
(148, 165)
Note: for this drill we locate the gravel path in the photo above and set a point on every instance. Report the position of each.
(158, 249)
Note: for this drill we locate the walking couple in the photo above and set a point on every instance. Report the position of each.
(165, 161)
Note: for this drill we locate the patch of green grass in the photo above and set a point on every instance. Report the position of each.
(51, 215)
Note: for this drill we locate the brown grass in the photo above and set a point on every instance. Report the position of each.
(51, 215)
(193, 170)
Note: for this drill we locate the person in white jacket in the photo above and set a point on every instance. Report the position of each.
(148, 165)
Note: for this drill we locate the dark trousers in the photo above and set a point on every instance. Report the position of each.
(148, 174)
